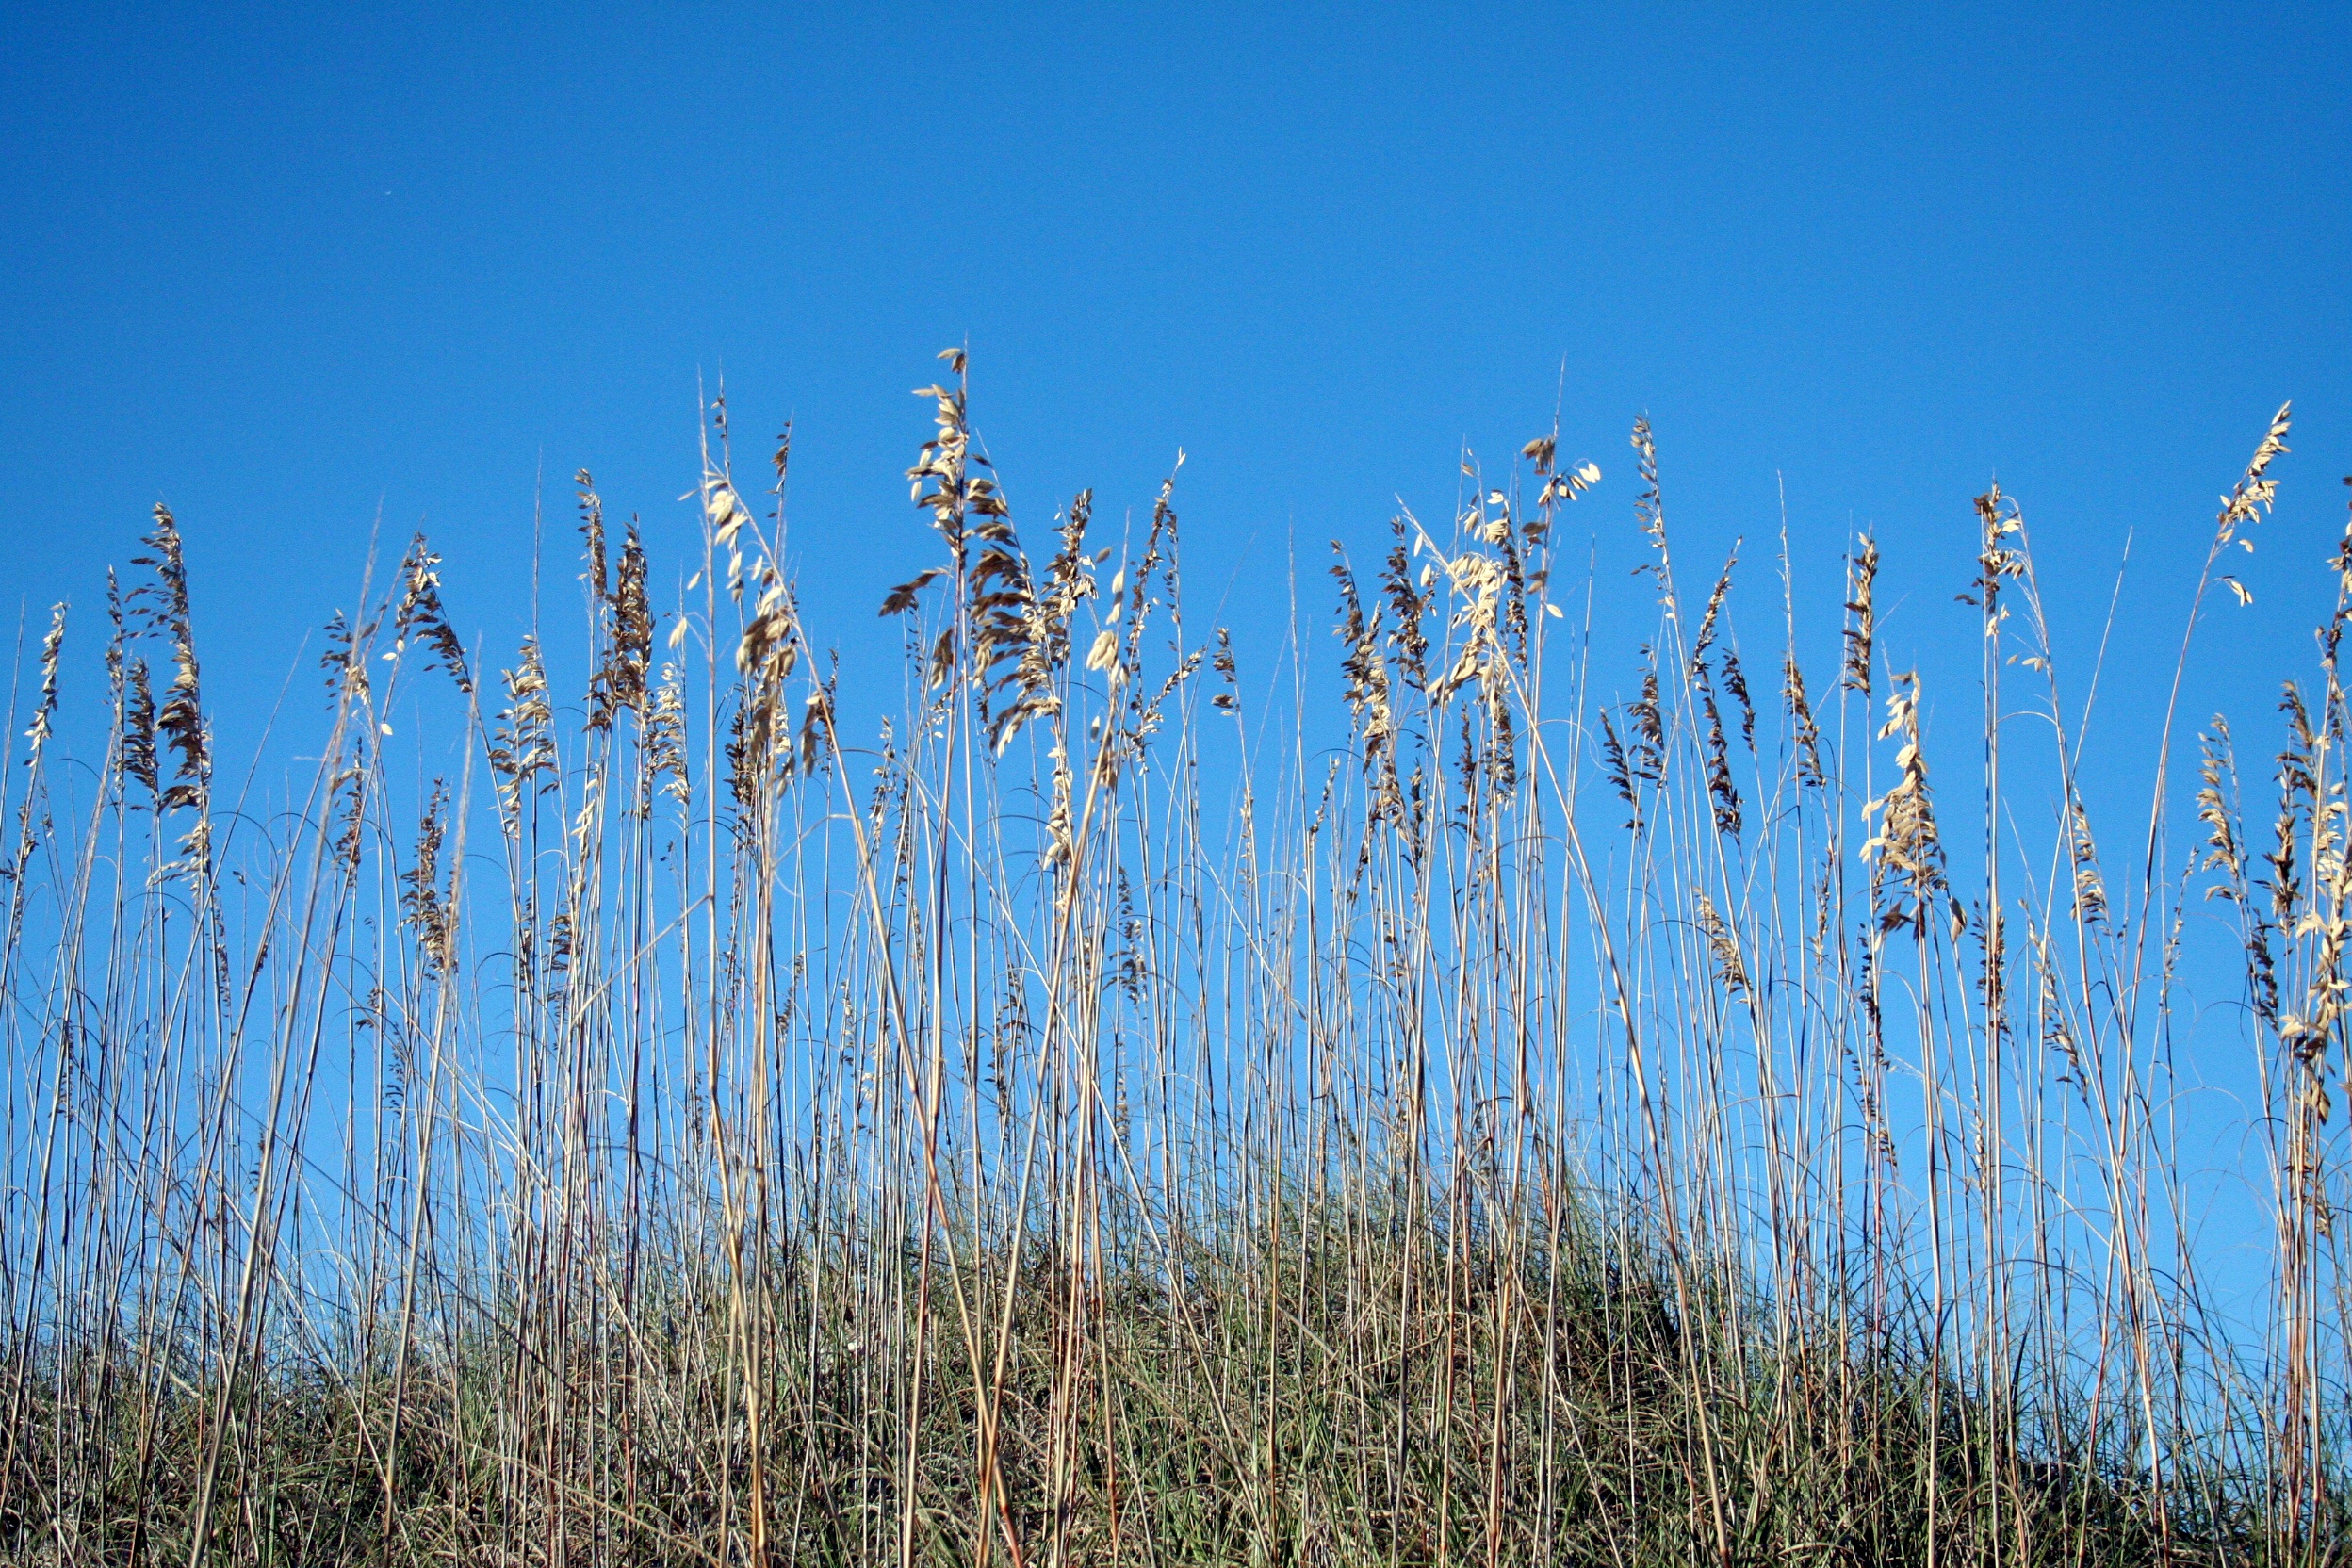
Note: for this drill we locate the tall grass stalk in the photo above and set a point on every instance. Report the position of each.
(1590, 1110)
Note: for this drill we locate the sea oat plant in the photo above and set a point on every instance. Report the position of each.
(1580, 1116)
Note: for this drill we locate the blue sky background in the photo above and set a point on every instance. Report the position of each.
(294, 272)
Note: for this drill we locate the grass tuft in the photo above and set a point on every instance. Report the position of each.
(1099, 1123)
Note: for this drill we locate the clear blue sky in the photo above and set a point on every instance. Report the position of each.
(292, 270)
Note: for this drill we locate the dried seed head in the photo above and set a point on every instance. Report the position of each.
(1906, 854)
(419, 615)
(1862, 630)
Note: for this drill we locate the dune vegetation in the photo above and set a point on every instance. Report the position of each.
(1570, 1105)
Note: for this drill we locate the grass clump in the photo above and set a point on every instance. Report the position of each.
(1097, 1124)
